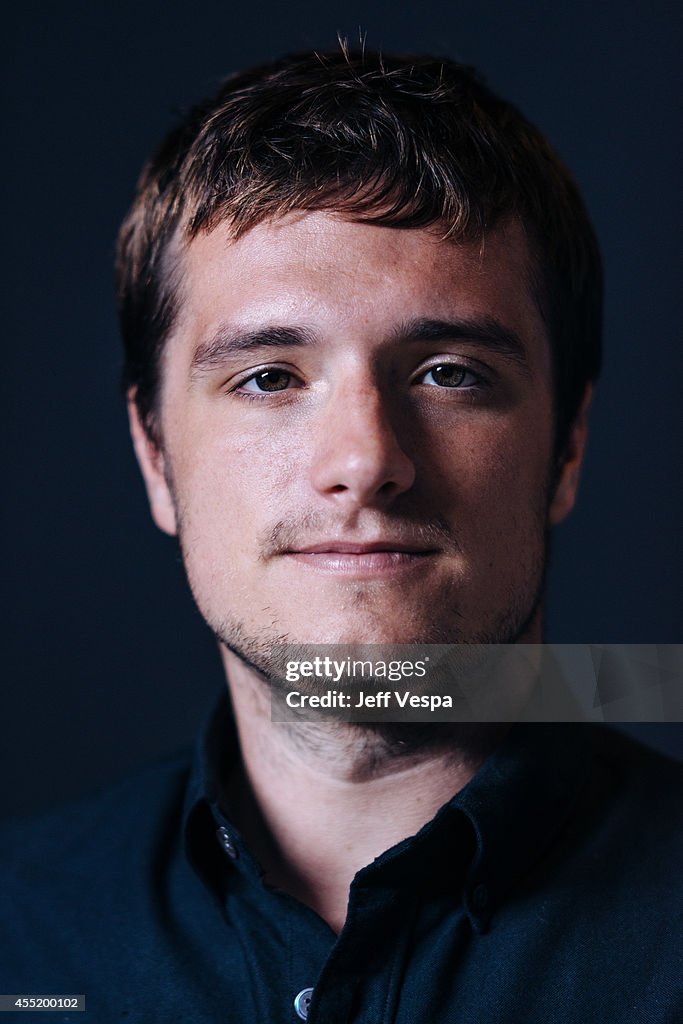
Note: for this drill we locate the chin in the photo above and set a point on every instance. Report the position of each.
(375, 633)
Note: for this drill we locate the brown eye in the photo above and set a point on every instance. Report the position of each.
(448, 375)
(268, 381)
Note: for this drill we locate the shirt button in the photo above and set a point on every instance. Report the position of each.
(225, 840)
(302, 1003)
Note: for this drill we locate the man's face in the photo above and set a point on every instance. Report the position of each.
(357, 435)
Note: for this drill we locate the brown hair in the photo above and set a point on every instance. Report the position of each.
(404, 142)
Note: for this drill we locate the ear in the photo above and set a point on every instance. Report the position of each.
(567, 484)
(152, 466)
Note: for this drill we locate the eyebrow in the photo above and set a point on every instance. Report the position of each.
(229, 341)
(482, 332)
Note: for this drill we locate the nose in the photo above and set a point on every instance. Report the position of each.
(359, 460)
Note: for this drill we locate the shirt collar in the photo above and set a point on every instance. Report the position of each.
(515, 805)
(215, 752)
(518, 803)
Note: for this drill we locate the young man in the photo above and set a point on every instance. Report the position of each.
(360, 298)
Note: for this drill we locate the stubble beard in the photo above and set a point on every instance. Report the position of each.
(259, 651)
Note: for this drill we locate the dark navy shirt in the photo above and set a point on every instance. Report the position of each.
(548, 889)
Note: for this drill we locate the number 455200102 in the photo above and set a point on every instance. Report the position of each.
(42, 1002)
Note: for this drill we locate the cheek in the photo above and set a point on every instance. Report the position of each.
(494, 476)
(230, 483)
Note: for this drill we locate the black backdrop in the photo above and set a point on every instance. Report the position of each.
(107, 663)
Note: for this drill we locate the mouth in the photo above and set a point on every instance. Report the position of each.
(363, 560)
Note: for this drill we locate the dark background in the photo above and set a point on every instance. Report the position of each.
(108, 664)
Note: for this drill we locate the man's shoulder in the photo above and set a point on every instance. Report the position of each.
(630, 812)
(636, 771)
(80, 885)
(86, 836)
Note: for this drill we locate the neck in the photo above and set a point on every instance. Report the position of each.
(317, 801)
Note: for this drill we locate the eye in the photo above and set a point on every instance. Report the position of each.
(267, 381)
(450, 375)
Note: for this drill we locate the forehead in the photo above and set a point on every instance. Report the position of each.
(340, 277)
